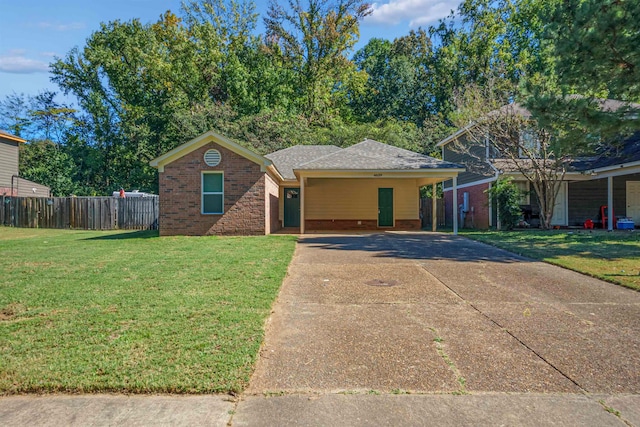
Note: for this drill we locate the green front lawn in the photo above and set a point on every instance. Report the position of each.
(85, 311)
(614, 257)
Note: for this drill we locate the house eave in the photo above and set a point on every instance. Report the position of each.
(454, 136)
(616, 167)
(12, 138)
(379, 173)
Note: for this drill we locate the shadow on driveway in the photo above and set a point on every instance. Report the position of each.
(417, 246)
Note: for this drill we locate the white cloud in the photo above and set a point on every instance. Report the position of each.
(22, 65)
(416, 12)
(61, 27)
(48, 54)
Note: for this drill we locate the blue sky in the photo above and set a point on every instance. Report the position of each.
(33, 32)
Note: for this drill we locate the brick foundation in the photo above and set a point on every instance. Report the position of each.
(180, 196)
(366, 225)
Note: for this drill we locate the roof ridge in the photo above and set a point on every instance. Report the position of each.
(301, 145)
(394, 147)
(322, 157)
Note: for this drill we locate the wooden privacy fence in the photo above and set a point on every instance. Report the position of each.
(85, 213)
(426, 213)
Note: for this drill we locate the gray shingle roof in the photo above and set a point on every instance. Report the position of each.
(627, 151)
(374, 155)
(289, 158)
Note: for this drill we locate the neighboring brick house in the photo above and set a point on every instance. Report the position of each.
(611, 178)
(212, 185)
(11, 184)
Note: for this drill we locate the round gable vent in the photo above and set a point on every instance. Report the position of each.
(212, 157)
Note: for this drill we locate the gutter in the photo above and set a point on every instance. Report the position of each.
(616, 167)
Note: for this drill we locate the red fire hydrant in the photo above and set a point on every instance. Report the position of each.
(588, 224)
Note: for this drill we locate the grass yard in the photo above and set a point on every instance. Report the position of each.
(614, 257)
(85, 311)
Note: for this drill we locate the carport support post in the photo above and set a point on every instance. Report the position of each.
(455, 205)
(301, 204)
(610, 211)
(434, 206)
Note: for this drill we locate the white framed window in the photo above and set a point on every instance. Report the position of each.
(212, 193)
(529, 143)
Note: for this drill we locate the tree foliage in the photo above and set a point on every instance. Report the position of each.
(312, 39)
(143, 88)
(507, 198)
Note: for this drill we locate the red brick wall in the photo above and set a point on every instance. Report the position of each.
(478, 200)
(348, 224)
(272, 205)
(180, 196)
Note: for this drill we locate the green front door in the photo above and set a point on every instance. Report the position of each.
(385, 207)
(292, 207)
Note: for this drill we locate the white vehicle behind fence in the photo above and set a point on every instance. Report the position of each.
(134, 193)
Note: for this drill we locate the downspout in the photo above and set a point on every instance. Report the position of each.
(12, 213)
(496, 176)
(14, 176)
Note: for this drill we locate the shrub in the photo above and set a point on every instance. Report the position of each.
(507, 197)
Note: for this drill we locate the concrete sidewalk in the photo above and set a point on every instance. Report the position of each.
(493, 409)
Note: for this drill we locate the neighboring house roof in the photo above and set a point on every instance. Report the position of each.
(513, 108)
(287, 159)
(7, 135)
(374, 155)
(623, 154)
(628, 151)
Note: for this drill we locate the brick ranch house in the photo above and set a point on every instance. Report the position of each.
(212, 185)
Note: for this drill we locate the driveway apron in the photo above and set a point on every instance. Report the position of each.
(435, 313)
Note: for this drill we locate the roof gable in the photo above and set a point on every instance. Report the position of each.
(202, 140)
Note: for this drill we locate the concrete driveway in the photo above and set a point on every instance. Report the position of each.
(399, 312)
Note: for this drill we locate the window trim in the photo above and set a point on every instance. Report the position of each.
(534, 150)
(203, 193)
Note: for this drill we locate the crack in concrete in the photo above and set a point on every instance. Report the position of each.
(438, 340)
(521, 342)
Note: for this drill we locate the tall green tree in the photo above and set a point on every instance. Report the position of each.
(592, 54)
(312, 39)
(14, 114)
(395, 79)
(45, 163)
(597, 47)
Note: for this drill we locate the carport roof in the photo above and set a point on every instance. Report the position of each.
(374, 155)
